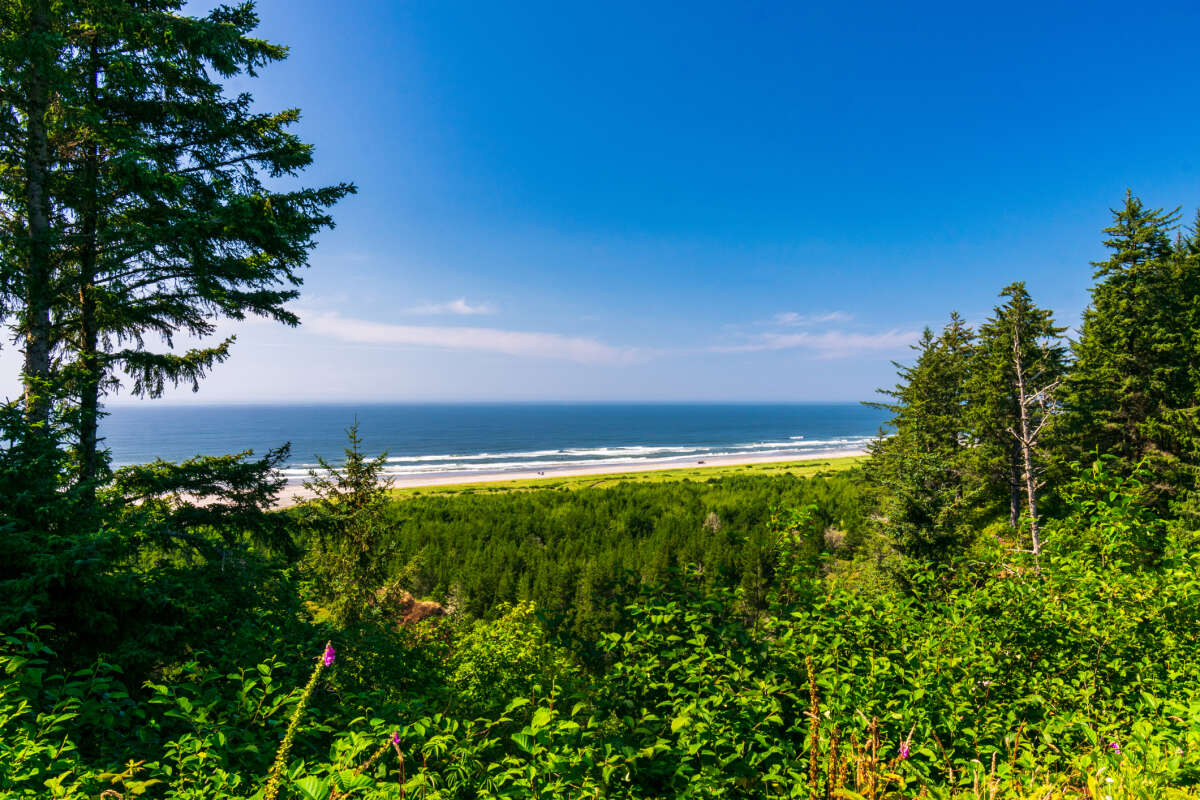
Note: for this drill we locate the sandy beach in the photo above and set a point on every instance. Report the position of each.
(295, 493)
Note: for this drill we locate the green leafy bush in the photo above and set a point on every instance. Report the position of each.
(510, 657)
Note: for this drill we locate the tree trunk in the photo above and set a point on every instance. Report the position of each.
(1014, 493)
(91, 368)
(1030, 483)
(38, 268)
(1027, 443)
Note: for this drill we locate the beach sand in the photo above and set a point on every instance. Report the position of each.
(295, 493)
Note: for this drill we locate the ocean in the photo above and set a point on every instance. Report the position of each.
(466, 439)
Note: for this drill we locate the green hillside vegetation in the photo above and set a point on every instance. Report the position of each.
(1001, 601)
(575, 554)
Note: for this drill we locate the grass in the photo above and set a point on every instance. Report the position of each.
(801, 469)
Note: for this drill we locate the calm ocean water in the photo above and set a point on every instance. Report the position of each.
(427, 439)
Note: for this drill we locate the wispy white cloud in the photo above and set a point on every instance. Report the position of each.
(827, 344)
(532, 344)
(459, 306)
(818, 333)
(794, 319)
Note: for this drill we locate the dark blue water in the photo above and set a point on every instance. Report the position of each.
(427, 439)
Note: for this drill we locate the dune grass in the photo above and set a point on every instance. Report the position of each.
(801, 469)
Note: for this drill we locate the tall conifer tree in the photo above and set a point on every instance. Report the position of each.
(1133, 392)
(1019, 359)
(31, 79)
(172, 210)
(922, 466)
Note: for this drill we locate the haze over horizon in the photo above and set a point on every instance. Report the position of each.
(767, 206)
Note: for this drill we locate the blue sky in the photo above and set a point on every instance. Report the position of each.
(699, 201)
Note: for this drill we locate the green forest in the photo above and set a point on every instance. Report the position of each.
(1002, 600)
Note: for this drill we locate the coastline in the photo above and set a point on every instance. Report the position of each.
(295, 493)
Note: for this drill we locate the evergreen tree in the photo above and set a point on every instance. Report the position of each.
(30, 78)
(229, 498)
(168, 213)
(1133, 392)
(140, 202)
(926, 502)
(1179, 426)
(348, 533)
(1018, 363)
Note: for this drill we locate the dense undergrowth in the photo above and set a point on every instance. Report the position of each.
(1001, 677)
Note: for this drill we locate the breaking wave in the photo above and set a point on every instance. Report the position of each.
(574, 457)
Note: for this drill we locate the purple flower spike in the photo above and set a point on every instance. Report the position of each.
(395, 738)
(330, 653)
(903, 750)
(1116, 748)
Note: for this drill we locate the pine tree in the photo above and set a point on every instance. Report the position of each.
(350, 539)
(1133, 390)
(167, 214)
(30, 78)
(927, 500)
(1179, 427)
(1017, 366)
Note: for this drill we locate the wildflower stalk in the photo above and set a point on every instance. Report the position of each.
(831, 775)
(856, 752)
(843, 772)
(873, 769)
(272, 790)
(814, 723)
(363, 767)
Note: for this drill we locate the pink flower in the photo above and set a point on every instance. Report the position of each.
(328, 656)
(1116, 748)
(395, 738)
(903, 750)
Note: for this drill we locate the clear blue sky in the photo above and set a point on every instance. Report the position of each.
(700, 201)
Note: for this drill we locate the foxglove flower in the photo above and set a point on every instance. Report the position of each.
(328, 656)
(903, 750)
(1116, 748)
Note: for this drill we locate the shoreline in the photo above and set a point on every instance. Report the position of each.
(295, 493)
